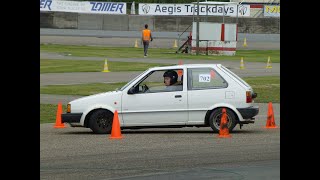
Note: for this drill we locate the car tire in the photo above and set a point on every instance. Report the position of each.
(215, 118)
(101, 121)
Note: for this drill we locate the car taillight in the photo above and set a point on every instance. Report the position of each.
(249, 97)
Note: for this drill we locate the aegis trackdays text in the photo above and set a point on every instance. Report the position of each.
(191, 8)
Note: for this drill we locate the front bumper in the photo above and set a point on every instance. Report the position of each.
(249, 113)
(71, 117)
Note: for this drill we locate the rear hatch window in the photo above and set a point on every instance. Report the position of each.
(236, 76)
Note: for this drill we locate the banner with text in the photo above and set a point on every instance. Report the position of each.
(191, 9)
(271, 11)
(84, 7)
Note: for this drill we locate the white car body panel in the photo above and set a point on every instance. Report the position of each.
(162, 108)
(102, 100)
(154, 109)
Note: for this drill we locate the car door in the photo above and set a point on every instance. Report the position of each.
(206, 87)
(155, 106)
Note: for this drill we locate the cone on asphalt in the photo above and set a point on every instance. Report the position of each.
(241, 63)
(269, 63)
(105, 68)
(224, 130)
(245, 42)
(136, 44)
(180, 72)
(271, 124)
(175, 44)
(59, 123)
(116, 130)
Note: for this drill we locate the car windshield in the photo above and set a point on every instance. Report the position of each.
(121, 89)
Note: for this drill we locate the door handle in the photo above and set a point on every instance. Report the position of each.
(177, 96)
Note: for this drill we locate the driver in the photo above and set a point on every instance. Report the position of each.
(171, 81)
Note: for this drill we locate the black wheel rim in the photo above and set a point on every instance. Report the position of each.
(103, 121)
(217, 118)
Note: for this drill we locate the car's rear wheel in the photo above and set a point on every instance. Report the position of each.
(101, 121)
(215, 118)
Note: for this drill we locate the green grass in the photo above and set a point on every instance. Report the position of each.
(48, 112)
(163, 53)
(268, 88)
(61, 66)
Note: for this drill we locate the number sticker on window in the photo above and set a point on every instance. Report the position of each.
(204, 77)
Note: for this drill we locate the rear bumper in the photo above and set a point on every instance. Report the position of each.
(71, 117)
(249, 113)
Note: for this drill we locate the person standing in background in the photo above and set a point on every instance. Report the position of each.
(146, 38)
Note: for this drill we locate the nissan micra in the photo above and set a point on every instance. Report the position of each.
(190, 95)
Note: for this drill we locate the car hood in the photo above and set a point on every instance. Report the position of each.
(101, 97)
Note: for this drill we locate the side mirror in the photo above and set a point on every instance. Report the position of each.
(131, 90)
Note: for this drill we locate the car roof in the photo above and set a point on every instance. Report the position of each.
(184, 65)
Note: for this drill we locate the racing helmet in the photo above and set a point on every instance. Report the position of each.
(173, 76)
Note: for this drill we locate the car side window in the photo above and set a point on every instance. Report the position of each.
(205, 78)
(154, 83)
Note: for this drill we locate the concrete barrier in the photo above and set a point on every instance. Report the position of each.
(65, 20)
(90, 21)
(137, 22)
(115, 23)
(46, 20)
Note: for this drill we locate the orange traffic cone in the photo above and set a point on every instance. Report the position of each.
(116, 131)
(224, 131)
(180, 73)
(59, 123)
(270, 120)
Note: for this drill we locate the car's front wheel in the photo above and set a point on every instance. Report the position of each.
(101, 121)
(215, 118)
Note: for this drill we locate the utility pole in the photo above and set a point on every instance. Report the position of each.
(197, 37)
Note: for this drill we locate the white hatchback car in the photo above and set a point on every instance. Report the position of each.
(200, 93)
